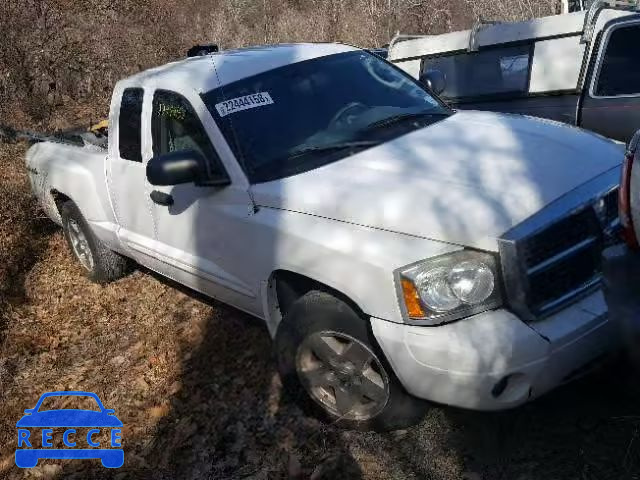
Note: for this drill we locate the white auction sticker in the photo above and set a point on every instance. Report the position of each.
(244, 103)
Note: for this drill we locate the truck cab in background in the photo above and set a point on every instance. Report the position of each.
(580, 68)
(570, 6)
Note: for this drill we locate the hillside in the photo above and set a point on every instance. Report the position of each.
(60, 58)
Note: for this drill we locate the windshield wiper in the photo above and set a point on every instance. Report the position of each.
(282, 166)
(401, 117)
(331, 147)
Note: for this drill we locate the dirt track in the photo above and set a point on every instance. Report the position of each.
(196, 388)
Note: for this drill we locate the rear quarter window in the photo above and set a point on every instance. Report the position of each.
(130, 125)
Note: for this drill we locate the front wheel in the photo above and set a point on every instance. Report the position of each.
(330, 363)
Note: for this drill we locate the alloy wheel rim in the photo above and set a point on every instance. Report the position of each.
(343, 375)
(80, 245)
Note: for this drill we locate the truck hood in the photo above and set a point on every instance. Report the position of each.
(465, 180)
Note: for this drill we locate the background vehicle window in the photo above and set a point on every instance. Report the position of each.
(129, 124)
(620, 71)
(176, 127)
(488, 72)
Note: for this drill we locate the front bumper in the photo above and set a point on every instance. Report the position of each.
(621, 268)
(493, 360)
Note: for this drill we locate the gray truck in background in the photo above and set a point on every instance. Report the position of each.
(580, 68)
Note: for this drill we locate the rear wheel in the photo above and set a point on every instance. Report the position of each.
(80, 245)
(330, 363)
(101, 264)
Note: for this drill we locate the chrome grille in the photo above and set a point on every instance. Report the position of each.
(557, 264)
(558, 270)
(560, 237)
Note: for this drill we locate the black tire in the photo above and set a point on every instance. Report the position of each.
(318, 311)
(107, 265)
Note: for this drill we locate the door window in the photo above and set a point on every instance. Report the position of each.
(487, 72)
(129, 124)
(176, 128)
(620, 70)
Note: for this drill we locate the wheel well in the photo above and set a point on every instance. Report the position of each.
(286, 287)
(59, 198)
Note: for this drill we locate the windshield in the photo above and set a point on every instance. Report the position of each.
(298, 117)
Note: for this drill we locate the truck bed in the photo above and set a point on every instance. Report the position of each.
(95, 137)
(59, 166)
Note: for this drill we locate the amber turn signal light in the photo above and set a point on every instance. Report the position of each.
(412, 299)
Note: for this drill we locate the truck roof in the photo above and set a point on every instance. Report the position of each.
(199, 73)
(499, 33)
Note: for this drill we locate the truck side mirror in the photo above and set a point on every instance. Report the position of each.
(176, 168)
(434, 80)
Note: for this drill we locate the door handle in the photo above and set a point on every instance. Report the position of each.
(161, 198)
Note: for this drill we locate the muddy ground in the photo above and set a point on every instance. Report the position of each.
(196, 387)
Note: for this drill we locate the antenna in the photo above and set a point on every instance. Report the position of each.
(201, 50)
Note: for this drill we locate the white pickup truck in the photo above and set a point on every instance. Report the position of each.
(397, 250)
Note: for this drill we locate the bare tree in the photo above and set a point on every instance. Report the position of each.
(60, 59)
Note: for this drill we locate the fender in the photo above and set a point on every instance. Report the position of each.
(77, 173)
(354, 260)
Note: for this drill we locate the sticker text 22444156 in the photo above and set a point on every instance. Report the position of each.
(244, 103)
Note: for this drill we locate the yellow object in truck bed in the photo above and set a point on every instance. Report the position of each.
(103, 125)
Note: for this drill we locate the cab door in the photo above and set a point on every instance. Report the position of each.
(611, 104)
(126, 174)
(202, 232)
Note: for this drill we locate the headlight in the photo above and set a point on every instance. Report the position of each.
(449, 287)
